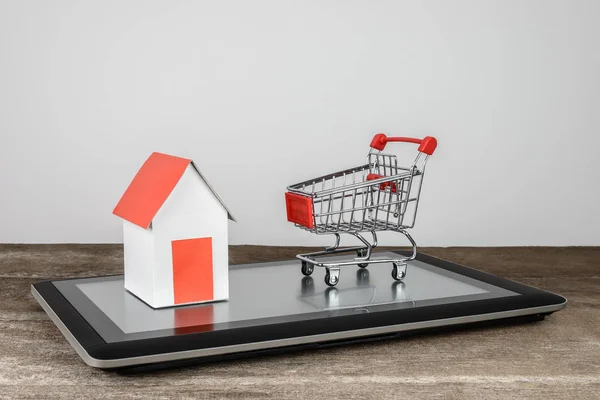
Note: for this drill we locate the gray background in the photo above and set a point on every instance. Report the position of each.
(262, 94)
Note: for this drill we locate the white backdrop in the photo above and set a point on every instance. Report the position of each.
(262, 94)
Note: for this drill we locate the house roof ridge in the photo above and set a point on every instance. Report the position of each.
(152, 185)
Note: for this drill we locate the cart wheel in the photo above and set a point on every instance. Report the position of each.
(331, 279)
(362, 253)
(307, 268)
(396, 274)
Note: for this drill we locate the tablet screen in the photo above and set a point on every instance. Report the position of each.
(273, 292)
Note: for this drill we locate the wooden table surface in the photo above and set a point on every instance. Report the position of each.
(556, 358)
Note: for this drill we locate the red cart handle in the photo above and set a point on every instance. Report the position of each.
(427, 145)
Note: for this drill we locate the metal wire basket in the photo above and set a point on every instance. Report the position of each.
(377, 196)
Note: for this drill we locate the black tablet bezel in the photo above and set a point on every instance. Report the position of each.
(98, 349)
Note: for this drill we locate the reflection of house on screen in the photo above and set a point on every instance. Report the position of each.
(187, 319)
(193, 319)
(132, 315)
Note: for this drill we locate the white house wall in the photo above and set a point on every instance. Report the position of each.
(138, 247)
(191, 211)
(189, 195)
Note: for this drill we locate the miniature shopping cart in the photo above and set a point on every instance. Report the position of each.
(378, 196)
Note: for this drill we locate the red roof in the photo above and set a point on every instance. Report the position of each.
(150, 188)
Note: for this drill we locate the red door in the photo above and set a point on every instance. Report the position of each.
(192, 270)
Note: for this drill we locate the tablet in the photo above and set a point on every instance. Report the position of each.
(273, 307)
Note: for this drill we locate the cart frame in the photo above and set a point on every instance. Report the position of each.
(361, 199)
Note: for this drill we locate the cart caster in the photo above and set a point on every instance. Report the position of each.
(362, 253)
(307, 268)
(332, 276)
(397, 274)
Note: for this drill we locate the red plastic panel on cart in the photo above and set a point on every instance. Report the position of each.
(382, 186)
(299, 209)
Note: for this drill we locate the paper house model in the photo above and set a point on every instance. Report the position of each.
(174, 235)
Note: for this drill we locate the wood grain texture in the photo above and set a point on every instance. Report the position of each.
(553, 359)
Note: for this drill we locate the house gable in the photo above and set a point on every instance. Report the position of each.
(152, 186)
(191, 196)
